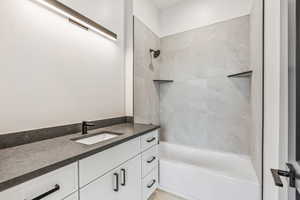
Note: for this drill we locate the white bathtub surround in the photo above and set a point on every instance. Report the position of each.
(204, 108)
(201, 109)
(201, 95)
(202, 174)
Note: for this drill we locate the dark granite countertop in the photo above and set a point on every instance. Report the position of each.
(22, 163)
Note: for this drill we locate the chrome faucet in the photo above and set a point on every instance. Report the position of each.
(84, 127)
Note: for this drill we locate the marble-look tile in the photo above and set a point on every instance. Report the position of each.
(203, 108)
(146, 69)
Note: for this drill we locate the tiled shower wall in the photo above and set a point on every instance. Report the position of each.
(203, 108)
(146, 69)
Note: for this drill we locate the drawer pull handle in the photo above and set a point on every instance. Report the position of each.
(55, 189)
(116, 186)
(151, 185)
(150, 161)
(151, 140)
(123, 172)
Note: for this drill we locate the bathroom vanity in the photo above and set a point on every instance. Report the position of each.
(120, 168)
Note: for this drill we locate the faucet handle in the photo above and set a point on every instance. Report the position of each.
(84, 127)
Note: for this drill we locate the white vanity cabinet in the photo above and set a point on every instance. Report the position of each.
(125, 171)
(119, 184)
(135, 179)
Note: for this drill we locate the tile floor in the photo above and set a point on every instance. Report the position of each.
(161, 195)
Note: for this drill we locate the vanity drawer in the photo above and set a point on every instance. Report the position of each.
(149, 140)
(97, 165)
(149, 184)
(59, 184)
(149, 160)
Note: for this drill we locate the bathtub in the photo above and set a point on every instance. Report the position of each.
(206, 175)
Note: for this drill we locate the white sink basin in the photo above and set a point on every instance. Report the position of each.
(97, 138)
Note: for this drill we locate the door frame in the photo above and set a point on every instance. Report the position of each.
(276, 85)
(275, 95)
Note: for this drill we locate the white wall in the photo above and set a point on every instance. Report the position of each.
(148, 13)
(54, 73)
(190, 14)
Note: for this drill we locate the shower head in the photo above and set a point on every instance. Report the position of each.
(155, 53)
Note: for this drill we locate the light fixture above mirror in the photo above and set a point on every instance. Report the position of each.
(77, 18)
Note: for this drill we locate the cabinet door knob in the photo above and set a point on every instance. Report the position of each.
(116, 186)
(123, 175)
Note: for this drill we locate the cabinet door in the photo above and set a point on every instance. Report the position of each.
(102, 188)
(72, 197)
(130, 180)
(121, 183)
(99, 164)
